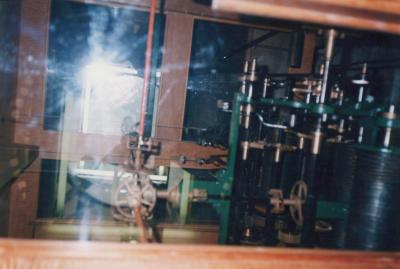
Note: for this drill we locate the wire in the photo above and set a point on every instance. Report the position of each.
(270, 125)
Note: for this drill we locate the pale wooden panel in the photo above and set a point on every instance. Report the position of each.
(365, 15)
(113, 231)
(65, 255)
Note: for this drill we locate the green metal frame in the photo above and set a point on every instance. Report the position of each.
(381, 122)
(220, 189)
(362, 109)
(331, 210)
(223, 186)
(313, 108)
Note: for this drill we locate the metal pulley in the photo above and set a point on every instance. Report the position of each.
(135, 191)
(298, 194)
(295, 202)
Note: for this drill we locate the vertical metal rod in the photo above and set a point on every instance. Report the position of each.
(386, 141)
(388, 131)
(247, 113)
(361, 89)
(310, 206)
(143, 232)
(360, 135)
(245, 70)
(265, 88)
(312, 175)
(330, 42)
(147, 67)
(341, 97)
(252, 77)
(292, 120)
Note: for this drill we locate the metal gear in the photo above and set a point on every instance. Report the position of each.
(298, 193)
(136, 190)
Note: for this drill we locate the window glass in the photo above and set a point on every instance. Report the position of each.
(95, 68)
(216, 65)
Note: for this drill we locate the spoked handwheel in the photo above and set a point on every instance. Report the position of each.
(298, 194)
(133, 191)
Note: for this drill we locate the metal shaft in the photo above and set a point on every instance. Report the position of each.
(361, 89)
(330, 43)
(388, 131)
(144, 234)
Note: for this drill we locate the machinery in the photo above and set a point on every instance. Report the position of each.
(252, 124)
(306, 159)
(314, 167)
(134, 197)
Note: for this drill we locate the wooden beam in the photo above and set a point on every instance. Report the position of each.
(65, 255)
(10, 18)
(384, 6)
(137, 4)
(174, 76)
(29, 109)
(112, 149)
(115, 231)
(382, 16)
(176, 6)
(24, 202)
(198, 11)
(308, 56)
(32, 68)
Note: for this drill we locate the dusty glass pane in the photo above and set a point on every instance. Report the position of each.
(93, 48)
(172, 122)
(218, 51)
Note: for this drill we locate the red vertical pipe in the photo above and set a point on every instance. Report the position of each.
(143, 233)
(147, 67)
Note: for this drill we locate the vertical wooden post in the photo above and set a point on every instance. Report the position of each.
(32, 69)
(23, 202)
(174, 76)
(29, 110)
(308, 56)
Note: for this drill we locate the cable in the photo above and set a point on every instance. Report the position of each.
(270, 125)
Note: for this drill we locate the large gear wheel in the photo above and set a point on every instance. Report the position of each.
(133, 191)
(298, 193)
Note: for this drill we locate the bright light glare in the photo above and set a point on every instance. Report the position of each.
(106, 89)
(100, 70)
(97, 70)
